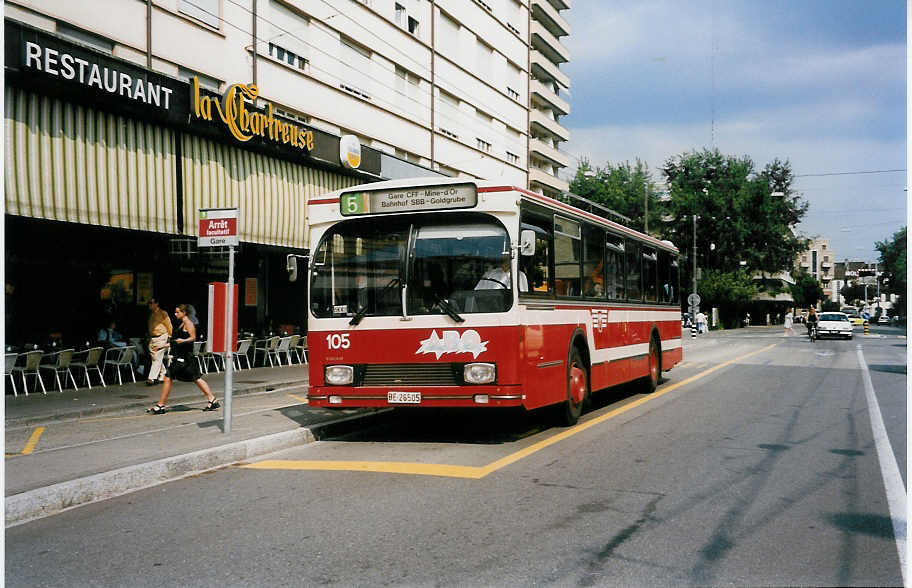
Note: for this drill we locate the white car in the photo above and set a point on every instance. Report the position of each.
(834, 324)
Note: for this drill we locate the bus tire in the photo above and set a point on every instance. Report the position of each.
(577, 389)
(654, 359)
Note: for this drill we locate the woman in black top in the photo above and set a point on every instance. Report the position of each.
(184, 366)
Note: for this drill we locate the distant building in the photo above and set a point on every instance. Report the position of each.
(819, 261)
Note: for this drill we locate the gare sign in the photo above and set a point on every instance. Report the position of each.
(218, 227)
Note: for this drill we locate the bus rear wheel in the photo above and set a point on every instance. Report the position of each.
(651, 381)
(577, 389)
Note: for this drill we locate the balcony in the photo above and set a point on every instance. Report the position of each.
(551, 183)
(544, 94)
(561, 4)
(544, 69)
(545, 13)
(545, 151)
(542, 122)
(547, 44)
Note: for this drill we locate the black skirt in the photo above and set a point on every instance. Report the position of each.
(185, 370)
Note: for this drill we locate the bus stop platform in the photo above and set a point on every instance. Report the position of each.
(70, 448)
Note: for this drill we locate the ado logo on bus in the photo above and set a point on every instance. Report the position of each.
(454, 342)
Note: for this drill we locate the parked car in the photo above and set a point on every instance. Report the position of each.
(883, 320)
(834, 324)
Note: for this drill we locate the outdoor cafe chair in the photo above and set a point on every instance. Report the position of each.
(197, 353)
(29, 366)
(215, 357)
(119, 358)
(293, 349)
(91, 361)
(8, 362)
(284, 347)
(241, 353)
(268, 348)
(59, 363)
(301, 349)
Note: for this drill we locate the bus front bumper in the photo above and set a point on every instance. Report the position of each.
(347, 396)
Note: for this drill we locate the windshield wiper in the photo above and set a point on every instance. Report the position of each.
(361, 312)
(446, 307)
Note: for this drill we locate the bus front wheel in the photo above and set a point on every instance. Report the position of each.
(577, 389)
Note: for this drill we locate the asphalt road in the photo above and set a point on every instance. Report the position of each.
(755, 463)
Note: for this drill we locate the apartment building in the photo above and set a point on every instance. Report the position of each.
(124, 118)
(820, 262)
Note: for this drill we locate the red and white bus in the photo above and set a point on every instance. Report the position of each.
(453, 293)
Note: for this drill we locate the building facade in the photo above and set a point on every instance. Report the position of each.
(120, 129)
(820, 262)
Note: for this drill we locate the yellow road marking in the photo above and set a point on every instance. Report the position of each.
(477, 472)
(33, 440)
(299, 398)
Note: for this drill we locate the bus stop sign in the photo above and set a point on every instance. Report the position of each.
(218, 227)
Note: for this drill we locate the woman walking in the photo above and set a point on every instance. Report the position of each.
(788, 323)
(184, 366)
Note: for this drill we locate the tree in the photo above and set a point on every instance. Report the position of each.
(893, 258)
(731, 292)
(622, 187)
(806, 290)
(852, 293)
(739, 219)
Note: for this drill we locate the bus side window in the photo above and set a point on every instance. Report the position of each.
(650, 263)
(634, 285)
(593, 262)
(614, 266)
(537, 267)
(567, 257)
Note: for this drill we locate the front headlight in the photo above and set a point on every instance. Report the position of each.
(479, 373)
(338, 375)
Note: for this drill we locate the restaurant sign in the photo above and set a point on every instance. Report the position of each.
(243, 122)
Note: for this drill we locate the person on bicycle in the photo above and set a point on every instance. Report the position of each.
(811, 319)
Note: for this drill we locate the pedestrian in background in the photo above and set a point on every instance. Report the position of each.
(788, 323)
(701, 322)
(160, 329)
(184, 366)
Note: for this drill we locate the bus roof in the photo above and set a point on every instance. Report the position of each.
(483, 186)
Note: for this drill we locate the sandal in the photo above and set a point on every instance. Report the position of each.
(212, 405)
(157, 409)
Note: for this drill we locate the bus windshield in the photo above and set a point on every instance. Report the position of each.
(454, 266)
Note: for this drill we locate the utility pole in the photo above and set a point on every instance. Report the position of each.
(645, 206)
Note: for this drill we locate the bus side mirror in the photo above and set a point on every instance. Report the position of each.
(291, 266)
(527, 242)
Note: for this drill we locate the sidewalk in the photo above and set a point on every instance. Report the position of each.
(80, 446)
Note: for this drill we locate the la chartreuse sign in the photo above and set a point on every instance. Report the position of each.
(246, 124)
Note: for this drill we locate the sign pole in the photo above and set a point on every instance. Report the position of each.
(229, 339)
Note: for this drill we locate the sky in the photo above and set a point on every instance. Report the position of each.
(820, 83)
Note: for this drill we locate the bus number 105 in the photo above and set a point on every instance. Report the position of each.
(337, 341)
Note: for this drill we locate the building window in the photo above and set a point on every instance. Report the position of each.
(449, 99)
(449, 134)
(288, 57)
(205, 11)
(413, 26)
(512, 93)
(484, 5)
(513, 158)
(205, 81)
(84, 37)
(400, 14)
(482, 144)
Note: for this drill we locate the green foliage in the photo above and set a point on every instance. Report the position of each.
(730, 290)
(893, 258)
(623, 188)
(738, 217)
(852, 293)
(830, 306)
(806, 290)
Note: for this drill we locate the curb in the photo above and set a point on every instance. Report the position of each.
(43, 502)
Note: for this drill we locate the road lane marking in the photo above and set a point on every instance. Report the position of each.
(889, 469)
(33, 440)
(478, 472)
(299, 398)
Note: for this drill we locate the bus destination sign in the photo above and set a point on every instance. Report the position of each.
(411, 199)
